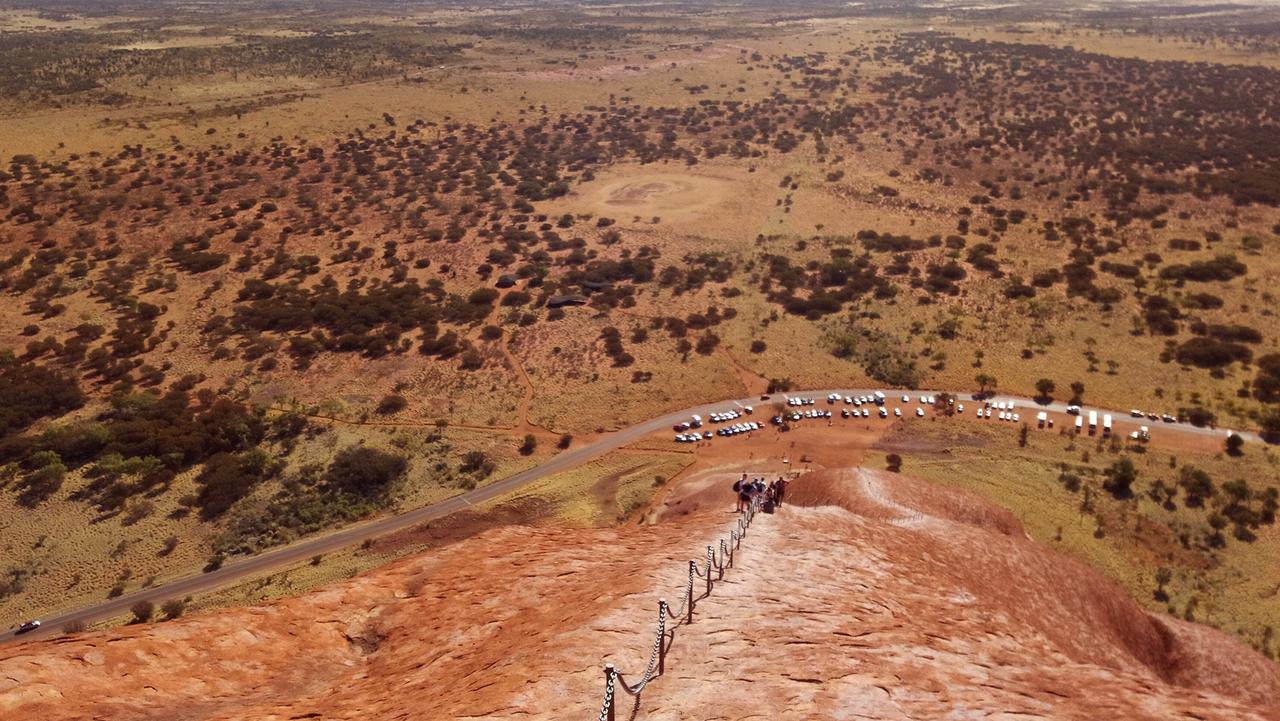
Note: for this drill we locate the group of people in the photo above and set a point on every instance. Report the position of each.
(769, 493)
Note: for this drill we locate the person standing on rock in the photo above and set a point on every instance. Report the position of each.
(779, 490)
(740, 491)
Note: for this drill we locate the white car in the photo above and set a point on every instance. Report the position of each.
(906, 399)
(960, 408)
(920, 412)
(1016, 417)
(866, 412)
(884, 413)
(897, 412)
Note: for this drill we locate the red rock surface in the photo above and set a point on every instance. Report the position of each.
(874, 597)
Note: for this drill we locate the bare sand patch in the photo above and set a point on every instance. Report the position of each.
(656, 194)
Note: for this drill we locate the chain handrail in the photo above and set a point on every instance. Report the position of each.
(657, 658)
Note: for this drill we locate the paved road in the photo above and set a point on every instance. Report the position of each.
(358, 533)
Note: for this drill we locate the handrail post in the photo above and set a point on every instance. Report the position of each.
(710, 554)
(733, 542)
(662, 641)
(608, 691)
(723, 559)
(689, 600)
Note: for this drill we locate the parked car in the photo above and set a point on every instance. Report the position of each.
(920, 412)
(897, 412)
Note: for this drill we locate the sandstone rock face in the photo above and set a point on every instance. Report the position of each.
(872, 596)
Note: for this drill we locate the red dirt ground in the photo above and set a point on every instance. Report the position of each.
(874, 596)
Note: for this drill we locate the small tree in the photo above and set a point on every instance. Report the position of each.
(1120, 478)
(565, 441)
(1045, 387)
(391, 405)
(893, 463)
(365, 471)
(985, 382)
(1023, 432)
(142, 611)
(1235, 444)
(1077, 393)
(173, 608)
(1269, 421)
(1163, 576)
(529, 445)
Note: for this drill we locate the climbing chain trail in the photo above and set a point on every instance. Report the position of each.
(668, 622)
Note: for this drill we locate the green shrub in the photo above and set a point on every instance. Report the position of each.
(365, 472)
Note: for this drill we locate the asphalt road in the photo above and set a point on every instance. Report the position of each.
(304, 549)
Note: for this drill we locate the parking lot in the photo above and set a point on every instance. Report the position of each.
(784, 412)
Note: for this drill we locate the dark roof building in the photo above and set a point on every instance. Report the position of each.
(560, 301)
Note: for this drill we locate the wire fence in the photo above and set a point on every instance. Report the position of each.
(717, 561)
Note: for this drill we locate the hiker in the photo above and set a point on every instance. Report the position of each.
(779, 490)
(738, 492)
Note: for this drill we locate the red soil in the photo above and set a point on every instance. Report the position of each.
(874, 596)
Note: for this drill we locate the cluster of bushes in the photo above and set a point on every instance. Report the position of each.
(194, 256)
(1233, 503)
(29, 392)
(1223, 268)
(371, 321)
(357, 482)
(138, 445)
(1266, 384)
(1208, 352)
(879, 353)
(613, 347)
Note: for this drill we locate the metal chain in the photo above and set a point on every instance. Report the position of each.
(653, 657)
(610, 675)
(684, 598)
